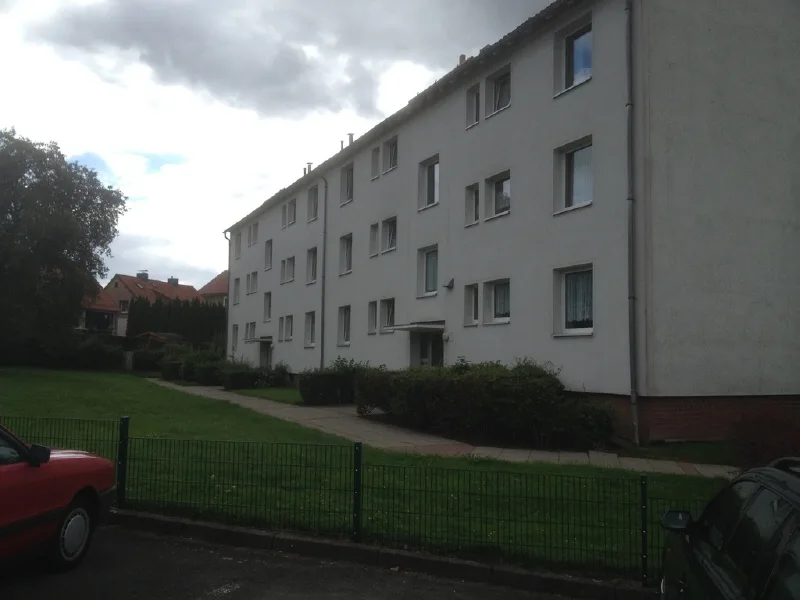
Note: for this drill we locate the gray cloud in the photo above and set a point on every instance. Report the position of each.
(250, 53)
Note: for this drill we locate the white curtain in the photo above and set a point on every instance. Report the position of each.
(578, 300)
(581, 176)
(502, 300)
(431, 268)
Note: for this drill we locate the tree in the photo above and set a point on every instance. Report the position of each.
(57, 222)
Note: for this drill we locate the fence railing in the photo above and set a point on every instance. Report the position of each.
(593, 525)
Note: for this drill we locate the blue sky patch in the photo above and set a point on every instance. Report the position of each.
(96, 162)
(156, 161)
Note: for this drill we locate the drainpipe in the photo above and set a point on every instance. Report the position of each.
(228, 307)
(322, 291)
(631, 166)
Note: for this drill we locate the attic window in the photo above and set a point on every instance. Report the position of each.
(140, 286)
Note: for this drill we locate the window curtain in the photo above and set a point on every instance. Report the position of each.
(391, 234)
(578, 300)
(502, 300)
(431, 268)
(502, 196)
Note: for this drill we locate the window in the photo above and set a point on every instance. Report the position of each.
(313, 203)
(721, 514)
(387, 314)
(237, 245)
(785, 583)
(236, 286)
(578, 300)
(429, 182)
(474, 105)
(471, 304)
(290, 269)
(389, 236)
(250, 330)
(267, 306)
(234, 338)
(252, 282)
(311, 265)
(373, 239)
(252, 234)
(578, 48)
(498, 192)
(344, 326)
(390, 154)
(498, 90)
(8, 453)
(346, 254)
(376, 162)
(267, 255)
(283, 271)
(347, 185)
(472, 205)
(579, 185)
(247, 285)
(292, 211)
(288, 328)
(497, 299)
(280, 329)
(123, 305)
(372, 317)
(429, 271)
(309, 339)
(283, 216)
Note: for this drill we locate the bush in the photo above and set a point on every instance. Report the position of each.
(92, 353)
(281, 375)
(522, 405)
(760, 439)
(190, 362)
(332, 385)
(171, 370)
(238, 375)
(207, 373)
(147, 360)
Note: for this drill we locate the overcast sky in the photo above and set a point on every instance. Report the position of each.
(199, 110)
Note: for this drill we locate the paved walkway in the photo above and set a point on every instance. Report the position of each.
(344, 422)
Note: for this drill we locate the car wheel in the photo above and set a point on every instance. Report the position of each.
(74, 535)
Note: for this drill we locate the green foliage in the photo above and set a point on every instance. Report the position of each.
(489, 403)
(93, 354)
(198, 322)
(332, 385)
(147, 360)
(57, 222)
(208, 373)
(171, 369)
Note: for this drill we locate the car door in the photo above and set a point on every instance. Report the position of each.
(28, 515)
(785, 581)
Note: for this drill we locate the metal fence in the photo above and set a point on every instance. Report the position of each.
(593, 525)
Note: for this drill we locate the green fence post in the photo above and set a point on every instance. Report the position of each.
(358, 453)
(644, 530)
(122, 460)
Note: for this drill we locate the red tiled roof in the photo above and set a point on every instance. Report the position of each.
(103, 301)
(153, 289)
(218, 285)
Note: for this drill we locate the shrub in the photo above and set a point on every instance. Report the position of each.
(760, 439)
(208, 373)
(190, 362)
(489, 402)
(238, 375)
(280, 375)
(92, 353)
(171, 370)
(147, 360)
(332, 385)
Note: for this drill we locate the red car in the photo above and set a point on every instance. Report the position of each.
(50, 501)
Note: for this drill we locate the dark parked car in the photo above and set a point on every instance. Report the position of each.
(746, 543)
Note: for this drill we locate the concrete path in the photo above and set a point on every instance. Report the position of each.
(345, 422)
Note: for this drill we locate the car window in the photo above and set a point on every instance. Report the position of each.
(785, 584)
(753, 545)
(8, 453)
(720, 516)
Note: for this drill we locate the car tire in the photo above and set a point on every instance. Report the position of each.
(74, 534)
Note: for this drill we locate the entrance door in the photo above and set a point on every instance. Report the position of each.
(431, 349)
(265, 356)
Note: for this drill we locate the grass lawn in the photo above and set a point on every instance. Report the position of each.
(710, 453)
(184, 459)
(285, 395)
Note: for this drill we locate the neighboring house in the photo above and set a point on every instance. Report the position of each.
(125, 287)
(99, 313)
(496, 216)
(216, 290)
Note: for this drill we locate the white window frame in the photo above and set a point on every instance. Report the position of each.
(424, 176)
(372, 317)
(388, 314)
(309, 335)
(267, 255)
(237, 245)
(493, 83)
(570, 81)
(267, 307)
(473, 105)
(489, 300)
(491, 195)
(348, 191)
(375, 165)
(237, 290)
(472, 205)
(346, 254)
(390, 154)
(385, 239)
(292, 216)
(280, 329)
(568, 202)
(234, 338)
(422, 270)
(374, 239)
(290, 269)
(311, 265)
(472, 305)
(253, 282)
(288, 328)
(562, 328)
(247, 288)
(283, 216)
(313, 204)
(283, 271)
(345, 325)
(252, 234)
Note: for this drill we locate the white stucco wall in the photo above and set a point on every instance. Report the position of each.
(720, 195)
(525, 246)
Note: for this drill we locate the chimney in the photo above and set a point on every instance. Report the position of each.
(304, 170)
(350, 137)
(142, 275)
(309, 166)
(462, 59)
(173, 281)
(341, 142)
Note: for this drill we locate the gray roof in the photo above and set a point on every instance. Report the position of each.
(471, 67)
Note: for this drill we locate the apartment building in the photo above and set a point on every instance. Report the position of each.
(612, 187)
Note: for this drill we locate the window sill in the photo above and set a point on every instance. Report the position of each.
(383, 332)
(371, 332)
(237, 257)
(427, 295)
(498, 215)
(312, 220)
(499, 110)
(373, 255)
(289, 280)
(389, 250)
(389, 170)
(290, 223)
(502, 321)
(287, 339)
(374, 177)
(309, 346)
(427, 206)
(343, 273)
(267, 321)
(468, 127)
(574, 334)
(236, 304)
(572, 87)
(473, 224)
(572, 208)
(269, 268)
(343, 344)
(312, 282)
(475, 324)
(345, 203)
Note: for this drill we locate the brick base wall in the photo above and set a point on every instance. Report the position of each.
(703, 418)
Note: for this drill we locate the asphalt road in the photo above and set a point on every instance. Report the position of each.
(125, 565)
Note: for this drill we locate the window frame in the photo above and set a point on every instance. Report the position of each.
(372, 317)
(341, 338)
(237, 245)
(473, 105)
(390, 150)
(312, 202)
(374, 239)
(280, 329)
(284, 212)
(267, 315)
(472, 204)
(425, 185)
(288, 328)
(490, 316)
(383, 238)
(424, 289)
(568, 201)
(234, 338)
(311, 265)
(309, 333)
(346, 254)
(493, 82)
(292, 212)
(290, 262)
(348, 185)
(267, 254)
(575, 331)
(385, 312)
(569, 55)
(375, 163)
(237, 290)
(472, 309)
(490, 202)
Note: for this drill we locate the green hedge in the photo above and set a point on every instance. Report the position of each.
(147, 360)
(171, 370)
(239, 380)
(208, 373)
(332, 385)
(523, 405)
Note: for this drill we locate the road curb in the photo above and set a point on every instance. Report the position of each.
(320, 547)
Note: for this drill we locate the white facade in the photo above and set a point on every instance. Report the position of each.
(536, 245)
